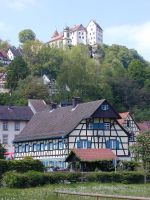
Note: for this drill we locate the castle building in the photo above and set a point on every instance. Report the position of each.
(92, 34)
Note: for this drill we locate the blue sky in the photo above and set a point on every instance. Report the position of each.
(125, 22)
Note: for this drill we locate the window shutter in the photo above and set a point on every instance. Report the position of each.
(88, 144)
(108, 144)
(78, 144)
(117, 144)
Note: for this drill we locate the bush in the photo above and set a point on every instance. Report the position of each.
(129, 165)
(15, 180)
(21, 165)
(133, 177)
(33, 178)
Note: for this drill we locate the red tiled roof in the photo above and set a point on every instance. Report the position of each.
(144, 126)
(55, 34)
(77, 27)
(59, 37)
(93, 154)
(3, 53)
(123, 117)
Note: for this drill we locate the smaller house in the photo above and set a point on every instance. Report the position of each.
(128, 123)
(12, 121)
(13, 52)
(3, 58)
(89, 159)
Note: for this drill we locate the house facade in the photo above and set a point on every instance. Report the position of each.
(13, 52)
(52, 134)
(12, 121)
(92, 34)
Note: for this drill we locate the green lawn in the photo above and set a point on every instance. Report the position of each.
(47, 192)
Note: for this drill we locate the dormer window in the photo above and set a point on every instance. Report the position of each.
(105, 107)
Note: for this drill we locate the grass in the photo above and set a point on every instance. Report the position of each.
(47, 192)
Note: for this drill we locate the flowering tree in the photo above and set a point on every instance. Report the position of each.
(141, 150)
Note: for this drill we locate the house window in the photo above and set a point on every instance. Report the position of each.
(50, 146)
(105, 107)
(79, 36)
(82, 33)
(131, 137)
(79, 33)
(100, 126)
(112, 144)
(128, 123)
(107, 126)
(17, 126)
(82, 37)
(27, 148)
(42, 147)
(83, 144)
(46, 146)
(34, 147)
(5, 139)
(20, 148)
(37, 147)
(55, 145)
(5, 126)
(60, 145)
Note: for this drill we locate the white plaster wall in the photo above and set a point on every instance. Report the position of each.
(11, 133)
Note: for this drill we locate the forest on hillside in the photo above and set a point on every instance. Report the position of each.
(114, 72)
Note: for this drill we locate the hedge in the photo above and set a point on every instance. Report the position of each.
(33, 178)
(21, 165)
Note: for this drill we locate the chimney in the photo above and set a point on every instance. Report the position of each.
(75, 101)
(53, 105)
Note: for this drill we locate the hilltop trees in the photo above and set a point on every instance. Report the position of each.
(116, 73)
(26, 35)
(16, 70)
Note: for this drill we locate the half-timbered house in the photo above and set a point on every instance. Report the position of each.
(128, 122)
(50, 135)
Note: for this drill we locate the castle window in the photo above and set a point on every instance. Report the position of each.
(82, 37)
(112, 144)
(79, 36)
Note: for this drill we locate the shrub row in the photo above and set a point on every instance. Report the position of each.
(33, 178)
(20, 165)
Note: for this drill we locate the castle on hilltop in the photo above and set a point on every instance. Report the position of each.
(92, 34)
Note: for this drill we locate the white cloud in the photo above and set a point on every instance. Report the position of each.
(20, 4)
(132, 36)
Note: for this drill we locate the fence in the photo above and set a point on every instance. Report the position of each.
(97, 196)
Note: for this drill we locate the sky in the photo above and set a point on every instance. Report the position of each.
(124, 22)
